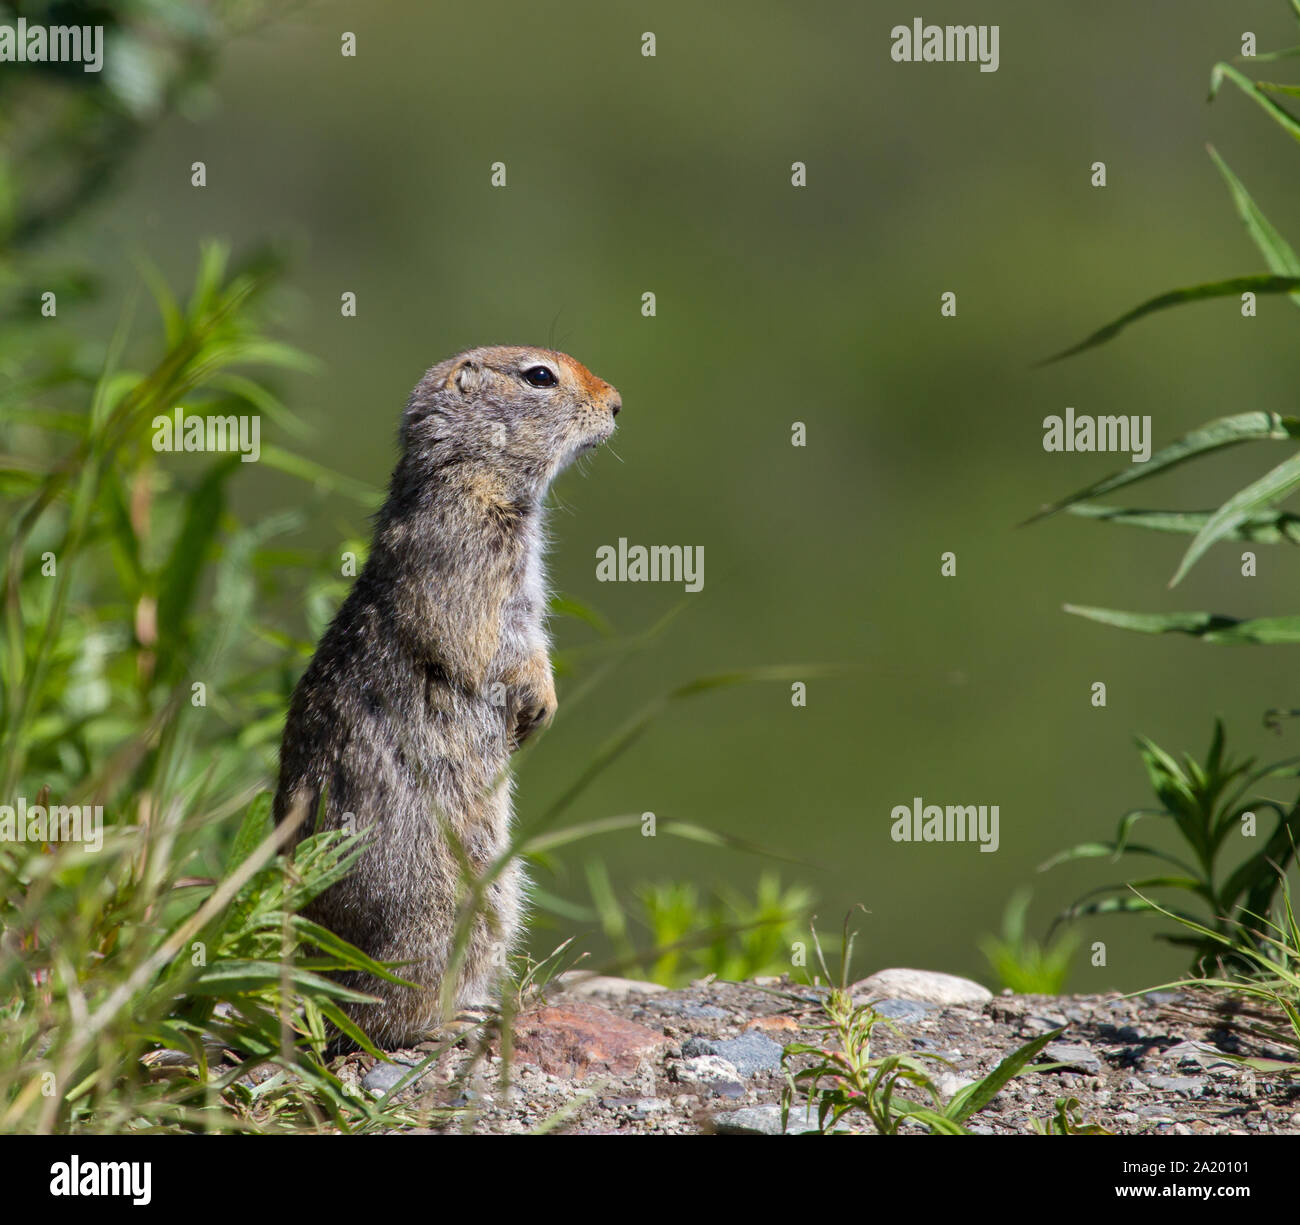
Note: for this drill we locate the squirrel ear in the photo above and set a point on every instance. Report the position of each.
(466, 376)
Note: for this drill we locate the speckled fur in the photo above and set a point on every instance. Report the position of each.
(435, 670)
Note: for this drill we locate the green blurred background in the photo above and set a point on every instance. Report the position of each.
(672, 175)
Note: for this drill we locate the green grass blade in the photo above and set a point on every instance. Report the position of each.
(1274, 485)
(1217, 434)
(1212, 627)
(1275, 249)
(1119, 904)
(1109, 850)
(1265, 57)
(189, 557)
(937, 1123)
(320, 476)
(1279, 114)
(1267, 527)
(255, 826)
(975, 1097)
(1231, 288)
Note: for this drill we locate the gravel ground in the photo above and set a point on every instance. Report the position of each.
(609, 1056)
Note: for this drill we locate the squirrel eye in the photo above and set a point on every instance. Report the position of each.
(540, 376)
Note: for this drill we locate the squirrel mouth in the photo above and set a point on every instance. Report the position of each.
(590, 444)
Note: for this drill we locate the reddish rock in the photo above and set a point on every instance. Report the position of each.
(774, 1024)
(579, 1038)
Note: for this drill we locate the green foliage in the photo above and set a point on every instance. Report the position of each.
(1234, 287)
(65, 135)
(112, 560)
(1253, 513)
(1277, 252)
(1204, 804)
(1210, 627)
(1068, 1121)
(1020, 962)
(138, 999)
(690, 935)
(166, 980)
(110, 956)
(1268, 953)
(846, 1080)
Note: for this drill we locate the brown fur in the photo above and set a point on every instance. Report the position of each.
(435, 670)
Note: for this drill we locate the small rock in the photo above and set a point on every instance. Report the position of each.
(1196, 1054)
(928, 986)
(1155, 1114)
(644, 1107)
(705, 1070)
(383, 1076)
(774, 1024)
(573, 1040)
(1190, 1085)
(1043, 1021)
(584, 983)
(949, 1083)
(750, 1121)
(902, 1011)
(750, 1054)
(1074, 1054)
(689, 1008)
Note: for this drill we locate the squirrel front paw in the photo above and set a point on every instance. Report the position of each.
(535, 706)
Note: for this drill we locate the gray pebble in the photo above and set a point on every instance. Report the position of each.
(688, 1008)
(1190, 1085)
(749, 1054)
(1196, 1054)
(1076, 1055)
(383, 1076)
(727, 1088)
(750, 1121)
(901, 1010)
(1042, 1022)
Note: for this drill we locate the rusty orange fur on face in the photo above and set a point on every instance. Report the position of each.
(593, 385)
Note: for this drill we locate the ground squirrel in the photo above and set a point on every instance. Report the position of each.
(435, 670)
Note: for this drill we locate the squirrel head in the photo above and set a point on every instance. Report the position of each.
(518, 414)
